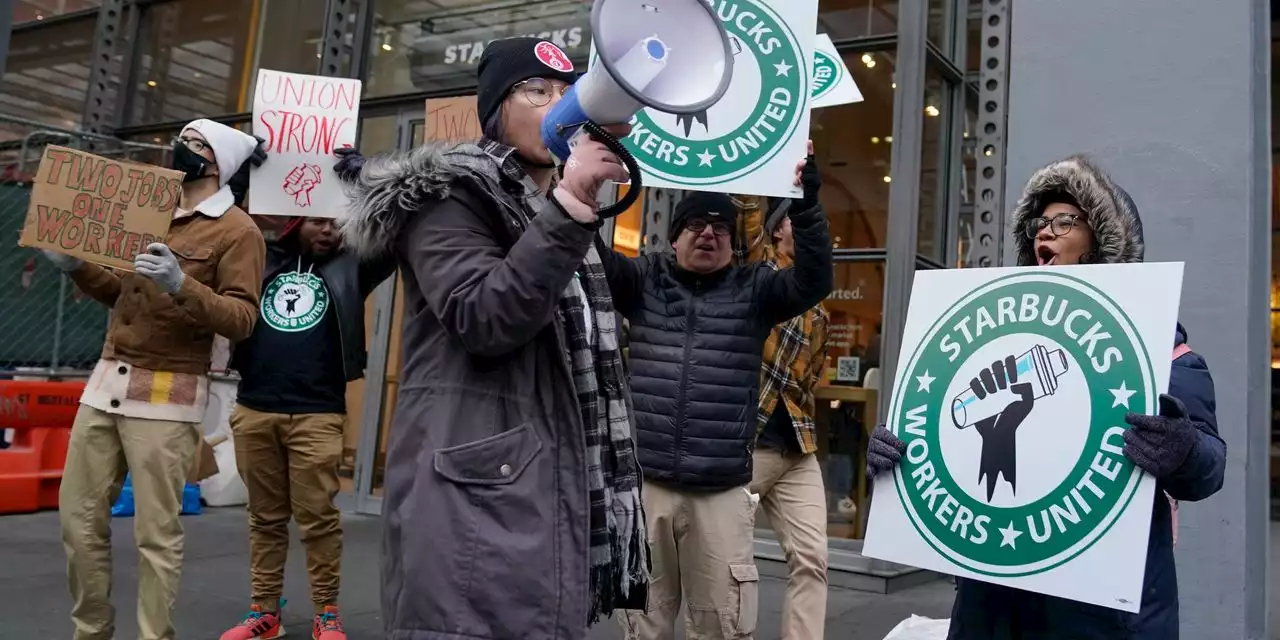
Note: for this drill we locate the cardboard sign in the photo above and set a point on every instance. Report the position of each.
(99, 210)
(749, 141)
(452, 120)
(832, 83)
(303, 119)
(1011, 395)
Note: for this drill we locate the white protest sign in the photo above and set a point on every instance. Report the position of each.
(832, 83)
(1011, 395)
(303, 119)
(748, 142)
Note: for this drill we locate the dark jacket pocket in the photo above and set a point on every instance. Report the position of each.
(496, 460)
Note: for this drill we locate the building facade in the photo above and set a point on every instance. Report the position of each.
(914, 175)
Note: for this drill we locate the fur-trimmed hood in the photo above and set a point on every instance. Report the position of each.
(1112, 214)
(393, 187)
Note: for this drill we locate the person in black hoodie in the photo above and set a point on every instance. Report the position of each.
(1071, 212)
(291, 411)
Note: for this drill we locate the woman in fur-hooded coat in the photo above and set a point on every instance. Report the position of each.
(1180, 447)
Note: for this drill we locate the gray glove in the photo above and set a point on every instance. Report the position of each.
(883, 451)
(159, 264)
(62, 260)
(1160, 444)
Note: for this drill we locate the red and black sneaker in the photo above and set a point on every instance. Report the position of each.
(328, 625)
(258, 625)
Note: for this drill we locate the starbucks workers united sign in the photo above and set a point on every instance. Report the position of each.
(1011, 393)
(750, 141)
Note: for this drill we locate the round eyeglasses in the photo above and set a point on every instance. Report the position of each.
(538, 91)
(1058, 225)
(193, 144)
(719, 228)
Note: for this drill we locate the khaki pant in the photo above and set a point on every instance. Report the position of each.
(702, 548)
(793, 498)
(160, 455)
(289, 463)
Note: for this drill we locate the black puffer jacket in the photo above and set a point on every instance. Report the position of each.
(695, 352)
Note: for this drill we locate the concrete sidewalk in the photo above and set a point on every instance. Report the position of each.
(215, 586)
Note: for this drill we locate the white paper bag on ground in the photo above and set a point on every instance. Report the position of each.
(920, 628)
(226, 488)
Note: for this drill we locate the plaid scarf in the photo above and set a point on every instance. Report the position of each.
(618, 547)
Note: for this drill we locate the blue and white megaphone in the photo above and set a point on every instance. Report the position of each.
(670, 55)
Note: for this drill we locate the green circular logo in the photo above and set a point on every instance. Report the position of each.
(1012, 409)
(294, 302)
(735, 136)
(826, 74)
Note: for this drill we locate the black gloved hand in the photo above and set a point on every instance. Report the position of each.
(259, 155)
(350, 162)
(810, 181)
(883, 452)
(1160, 444)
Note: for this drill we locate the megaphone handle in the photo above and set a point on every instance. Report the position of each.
(628, 160)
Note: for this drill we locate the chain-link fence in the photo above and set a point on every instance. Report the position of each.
(47, 326)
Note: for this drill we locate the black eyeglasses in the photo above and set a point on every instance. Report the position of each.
(538, 91)
(719, 228)
(1058, 225)
(193, 144)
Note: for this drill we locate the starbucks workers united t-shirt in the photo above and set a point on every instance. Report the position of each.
(294, 362)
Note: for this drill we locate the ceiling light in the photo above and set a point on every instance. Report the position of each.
(932, 111)
(895, 85)
(386, 46)
(875, 139)
(866, 57)
(888, 139)
(151, 83)
(871, 63)
(888, 179)
(987, 152)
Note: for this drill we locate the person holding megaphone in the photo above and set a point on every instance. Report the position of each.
(1071, 212)
(512, 492)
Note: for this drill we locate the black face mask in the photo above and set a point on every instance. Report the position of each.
(188, 162)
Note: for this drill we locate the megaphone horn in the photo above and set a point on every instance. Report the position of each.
(657, 54)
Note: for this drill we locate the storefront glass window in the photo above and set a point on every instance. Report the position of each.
(38, 10)
(419, 46)
(969, 204)
(842, 19)
(933, 165)
(852, 143)
(46, 74)
(939, 32)
(198, 58)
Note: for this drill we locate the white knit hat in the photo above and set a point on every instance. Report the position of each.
(231, 147)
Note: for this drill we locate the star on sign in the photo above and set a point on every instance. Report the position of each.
(1122, 395)
(705, 158)
(1009, 535)
(925, 380)
(783, 68)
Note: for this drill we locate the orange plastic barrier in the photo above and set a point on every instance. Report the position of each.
(41, 413)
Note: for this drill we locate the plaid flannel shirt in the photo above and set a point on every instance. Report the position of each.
(796, 352)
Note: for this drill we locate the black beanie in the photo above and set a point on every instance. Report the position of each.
(705, 205)
(506, 62)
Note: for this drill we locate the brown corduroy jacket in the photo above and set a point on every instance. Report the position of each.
(222, 259)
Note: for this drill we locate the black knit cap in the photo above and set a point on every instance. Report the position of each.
(506, 62)
(703, 205)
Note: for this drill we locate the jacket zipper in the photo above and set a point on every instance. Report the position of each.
(681, 401)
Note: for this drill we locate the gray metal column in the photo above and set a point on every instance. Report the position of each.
(993, 91)
(1187, 132)
(659, 204)
(346, 27)
(904, 192)
(6, 26)
(104, 69)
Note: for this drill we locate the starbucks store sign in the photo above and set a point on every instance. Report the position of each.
(567, 38)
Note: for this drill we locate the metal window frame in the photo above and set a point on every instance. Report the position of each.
(6, 27)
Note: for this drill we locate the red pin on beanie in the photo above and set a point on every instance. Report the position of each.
(552, 56)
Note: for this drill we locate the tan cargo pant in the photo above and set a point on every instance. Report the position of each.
(289, 464)
(702, 548)
(102, 448)
(795, 502)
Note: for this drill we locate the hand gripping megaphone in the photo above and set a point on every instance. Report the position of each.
(670, 55)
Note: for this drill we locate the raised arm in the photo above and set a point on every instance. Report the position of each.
(230, 308)
(98, 282)
(492, 299)
(625, 274)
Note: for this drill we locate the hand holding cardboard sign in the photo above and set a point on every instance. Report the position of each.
(62, 260)
(159, 264)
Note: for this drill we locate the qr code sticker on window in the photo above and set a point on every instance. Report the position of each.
(848, 369)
